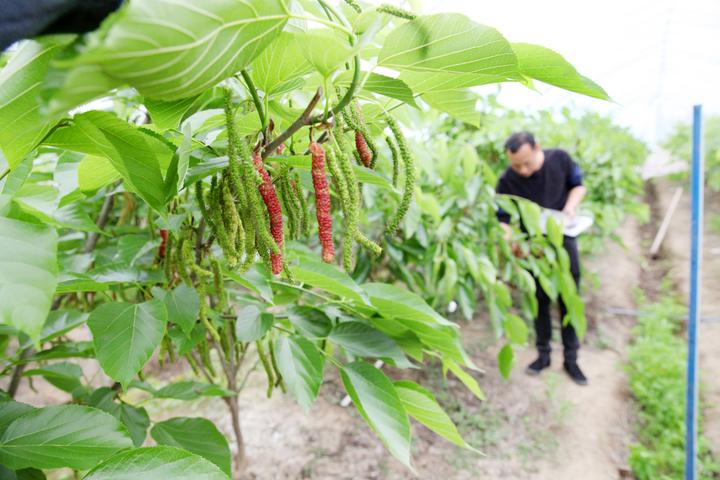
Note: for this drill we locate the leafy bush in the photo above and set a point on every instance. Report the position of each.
(656, 374)
(679, 143)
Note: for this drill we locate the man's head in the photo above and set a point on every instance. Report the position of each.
(525, 155)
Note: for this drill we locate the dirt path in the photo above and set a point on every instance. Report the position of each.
(677, 244)
(592, 442)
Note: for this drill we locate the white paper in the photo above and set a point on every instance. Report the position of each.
(572, 227)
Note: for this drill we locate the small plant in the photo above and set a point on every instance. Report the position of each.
(656, 374)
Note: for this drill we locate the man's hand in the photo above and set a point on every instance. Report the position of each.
(517, 250)
(507, 231)
(575, 196)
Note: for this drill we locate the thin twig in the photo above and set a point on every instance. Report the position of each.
(202, 368)
(303, 120)
(247, 375)
(17, 373)
(101, 222)
(5, 173)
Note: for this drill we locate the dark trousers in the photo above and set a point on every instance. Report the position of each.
(543, 322)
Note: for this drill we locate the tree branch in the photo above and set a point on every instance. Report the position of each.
(18, 371)
(101, 222)
(303, 120)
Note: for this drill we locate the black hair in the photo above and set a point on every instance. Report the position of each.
(517, 140)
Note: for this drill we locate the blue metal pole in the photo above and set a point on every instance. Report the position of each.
(696, 192)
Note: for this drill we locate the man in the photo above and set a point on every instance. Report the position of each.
(551, 179)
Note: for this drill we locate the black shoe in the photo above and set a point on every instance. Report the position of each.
(575, 373)
(541, 363)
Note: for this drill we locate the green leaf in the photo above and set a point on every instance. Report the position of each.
(173, 53)
(10, 410)
(252, 323)
(464, 377)
(17, 177)
(196, 435)
(22, 124)
(301, 367)
(253, 280)
(379, 404)
(554, 232)
(28, 274)
(43, 203)
(183, 343)
(550, 67)
(65, 350)
(395, 302)
(156, 463)
(190, 390)
(281, 64)
(134, 418)
(183, 155)
(95, 172)
(24, 474)
(125, 336)
(506, 360)
(62, 436)
(328, 278)
(325, 49)
(382, 85)
(136, 156)
(515, 328)
(459, 103)
(449, 43)
(363, 340)
(65, 90)
(422, 406)
(167, 115)
(390, 87)
(421, 83)
(440, 338)
(183, 305)
(576, 314)
(65, 376)
(310, 321)
(530, 214)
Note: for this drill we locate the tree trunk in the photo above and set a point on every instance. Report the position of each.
(234, 407)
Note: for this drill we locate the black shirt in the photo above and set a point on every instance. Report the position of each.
(548, 187)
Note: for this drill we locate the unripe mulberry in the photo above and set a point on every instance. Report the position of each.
(409, 167)
(322, 202)
(269, 195)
